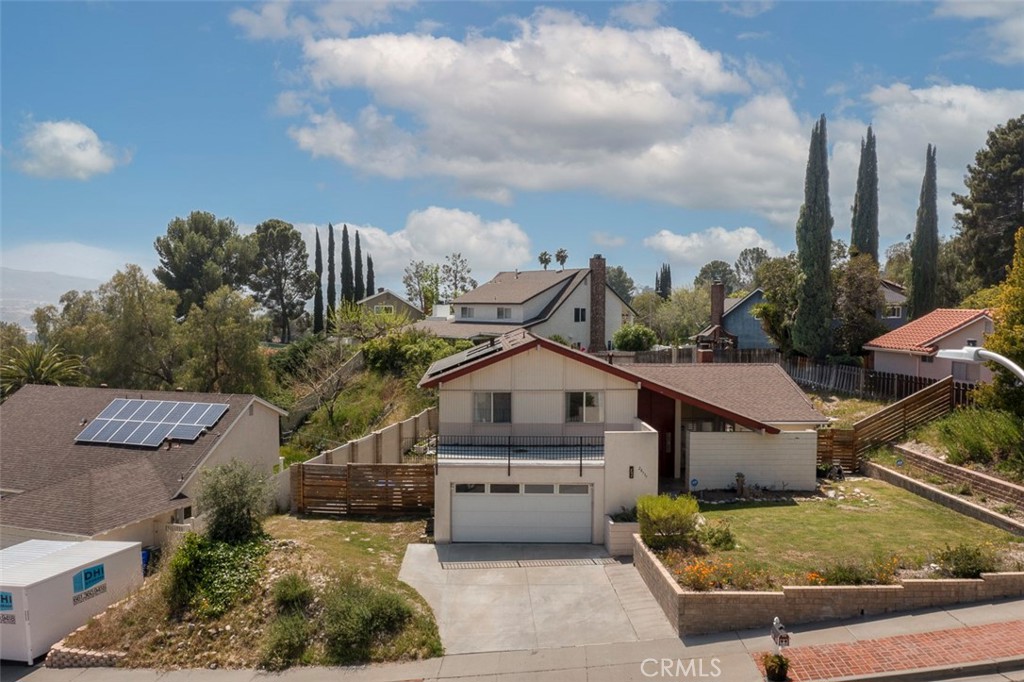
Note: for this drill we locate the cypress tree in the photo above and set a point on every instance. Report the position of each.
(360, 288)
(371, 289)
(864, 226)
(813, 323)
(318, 294)
(663, 281)
(924, 251)
(332, 297)
(347, 286)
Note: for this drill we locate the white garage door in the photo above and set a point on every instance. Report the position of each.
(517, 512)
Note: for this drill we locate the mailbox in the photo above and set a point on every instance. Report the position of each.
(779, 634)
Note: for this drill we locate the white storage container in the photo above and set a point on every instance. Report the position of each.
(47, 589)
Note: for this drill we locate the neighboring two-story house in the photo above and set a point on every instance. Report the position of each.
(575, 304)
(387, 301)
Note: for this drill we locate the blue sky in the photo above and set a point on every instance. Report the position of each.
(649, 132)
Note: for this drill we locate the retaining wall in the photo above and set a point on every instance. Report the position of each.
(694, 613)
(387, 445)
(980, 483)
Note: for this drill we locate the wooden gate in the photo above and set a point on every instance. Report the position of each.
(362, 489)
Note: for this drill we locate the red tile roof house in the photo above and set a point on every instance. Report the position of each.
(576, 304)
(537, 441)
(54, 487)
(912, 348)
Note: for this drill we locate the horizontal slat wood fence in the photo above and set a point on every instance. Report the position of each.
(362, 489)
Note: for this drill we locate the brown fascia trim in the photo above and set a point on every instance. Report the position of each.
(615, 370)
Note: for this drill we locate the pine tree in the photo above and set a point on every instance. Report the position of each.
(371, 288)
(332, 297)
(924, 251)
(864, 226)
(347, 283)
(318, 294)
(360, 288)
(813, 322)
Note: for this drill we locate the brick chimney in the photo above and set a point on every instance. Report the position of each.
(717, 302)
(598, 282)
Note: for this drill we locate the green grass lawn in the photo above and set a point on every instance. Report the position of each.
(811, 534)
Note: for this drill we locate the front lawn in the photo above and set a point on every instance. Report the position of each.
(861, 526)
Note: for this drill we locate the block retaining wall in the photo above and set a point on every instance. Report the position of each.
(980, 483)
(618, 536)
(693, 613)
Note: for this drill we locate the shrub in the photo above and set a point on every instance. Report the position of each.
(292, 593)
(717, 535)
(625, 515)
(966, 561)
(985, 437)
(357, 616)
(286, 641)
(843, 573)
(702, 575)
(408, 353)
(236, 499)
(665, 521)
(776, 667)
(206, 576)
(634, 337)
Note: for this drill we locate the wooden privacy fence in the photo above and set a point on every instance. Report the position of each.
(362, 489)
(888, 424)
(865, 383)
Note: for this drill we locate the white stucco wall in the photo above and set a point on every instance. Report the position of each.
(779, 461)
(538, 380)
(625, 449)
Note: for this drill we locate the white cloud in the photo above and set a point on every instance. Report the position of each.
(715, 243)
(275, 20)
(753, 35)
(747, 9)
(605, 239)
(638, 13)
(1002, 36)
(72, 258)
(66, 149)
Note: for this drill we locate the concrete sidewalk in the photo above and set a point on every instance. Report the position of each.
(726, 656)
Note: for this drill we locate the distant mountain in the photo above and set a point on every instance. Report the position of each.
(22, 291)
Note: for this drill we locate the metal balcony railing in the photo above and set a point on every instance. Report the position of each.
(521, 449)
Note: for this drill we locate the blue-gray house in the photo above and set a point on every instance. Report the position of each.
(733, 324)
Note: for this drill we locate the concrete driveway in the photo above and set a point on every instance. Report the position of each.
(506, 597)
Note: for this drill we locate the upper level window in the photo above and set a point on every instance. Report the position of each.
(579, 314)
(504, 313)
(584, 406)
(381, 308)
(927, 359)
(494, 408)
(466, 311)
(893, 312)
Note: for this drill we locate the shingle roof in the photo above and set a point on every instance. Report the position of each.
(920, 335)
(517, 287)
(893, 293)
(762, 392)
(452, 329)
(87, 488)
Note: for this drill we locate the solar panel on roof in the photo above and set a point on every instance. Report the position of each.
(150, 422)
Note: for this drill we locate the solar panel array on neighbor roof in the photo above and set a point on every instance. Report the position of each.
(150, 422)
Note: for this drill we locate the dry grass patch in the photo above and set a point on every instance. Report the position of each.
(845, 411)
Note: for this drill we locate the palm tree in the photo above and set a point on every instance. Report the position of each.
(38, 364)
(545, 259)
(561, 256)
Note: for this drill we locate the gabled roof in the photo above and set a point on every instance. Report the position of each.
(382, 294)
(750, 395)
(515, 288)
(730, 305)
(893, 293)
(921, 335)
(452, 329)
(87, 488)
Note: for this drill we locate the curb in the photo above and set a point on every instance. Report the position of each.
(989, 667)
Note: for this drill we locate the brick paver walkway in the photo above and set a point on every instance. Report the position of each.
(905, 652)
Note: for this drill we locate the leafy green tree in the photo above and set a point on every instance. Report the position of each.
(747, 263)
(663, 282)
(318, 293)
(924, 251)
(371, 286)
(282, 281)
(1007, 338)
(621, 283)
(897, 263)
(993, 207)
(455, 277)
(11, 336)
(956, 278)
(360, 283)
(222, 343)
(39, 364)
(201, 253)
(362, 324)
(236, 497)
(864, 225)
(76, 327)
(813, 322)
(717, 270)
(348, 287)
(634, 337)
(332, 295)
(545, 259)
(422, 284)
(561, 256)
(646, 305)
(683, 315)
(779, 278)
(858, 301)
